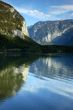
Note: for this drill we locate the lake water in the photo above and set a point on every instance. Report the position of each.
(43, 83)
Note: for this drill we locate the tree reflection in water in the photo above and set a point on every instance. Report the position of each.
(13, 72)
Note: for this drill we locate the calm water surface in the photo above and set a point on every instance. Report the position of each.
(28, 83)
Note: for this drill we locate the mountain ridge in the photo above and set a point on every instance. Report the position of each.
(47, 32)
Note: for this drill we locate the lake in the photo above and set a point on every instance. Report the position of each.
(29, 82)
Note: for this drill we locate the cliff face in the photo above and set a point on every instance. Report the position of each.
(11, 22)
(13, 30)
(52, 32)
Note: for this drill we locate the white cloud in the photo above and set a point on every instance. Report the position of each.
(67, 7)
(34, 13)
(61, 12)
(60, 9)
(53, 12)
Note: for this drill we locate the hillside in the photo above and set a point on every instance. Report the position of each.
(52, 32)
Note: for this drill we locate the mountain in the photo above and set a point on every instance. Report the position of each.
(52, 32)
(14, 35)
(13, 30)
(11, 22)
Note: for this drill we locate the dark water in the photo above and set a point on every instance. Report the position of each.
(28, 83)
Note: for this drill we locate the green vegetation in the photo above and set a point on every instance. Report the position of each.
(26, 44)
(56, 49)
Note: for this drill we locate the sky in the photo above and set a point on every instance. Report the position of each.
(43, 10)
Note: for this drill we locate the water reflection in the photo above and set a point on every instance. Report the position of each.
(60, 66)
(36, 84)
(13, 73)
(55, 74)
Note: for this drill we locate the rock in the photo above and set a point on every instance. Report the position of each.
(11, 22)
(52, 32)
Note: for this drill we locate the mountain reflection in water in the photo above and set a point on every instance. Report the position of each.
(13, 73)
(57, 71)
(36, 83)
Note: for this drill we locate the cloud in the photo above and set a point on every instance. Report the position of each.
(67, 7)
(61, 12)
(54, 12)
(34, 13)
(60, 9)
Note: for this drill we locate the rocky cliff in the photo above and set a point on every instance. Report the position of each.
(52, 32)
(11, 22)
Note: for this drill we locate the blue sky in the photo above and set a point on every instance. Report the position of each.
(42, 10)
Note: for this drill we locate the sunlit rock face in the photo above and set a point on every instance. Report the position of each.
(53, 67)
(24, 29)
(11, 22)
(52, 32)
(11, 79)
